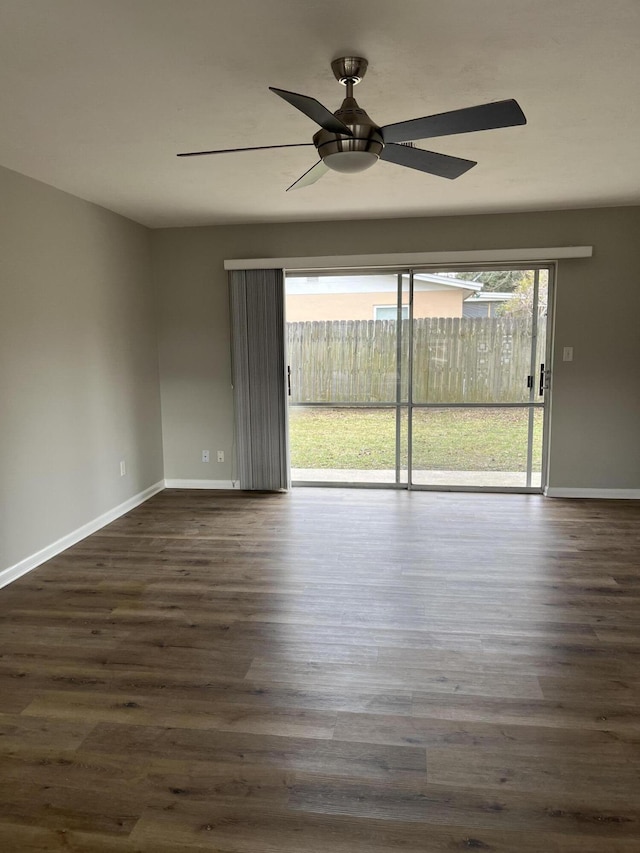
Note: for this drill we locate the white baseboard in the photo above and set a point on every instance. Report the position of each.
(16, 571)
(594, 494)
(201, 484)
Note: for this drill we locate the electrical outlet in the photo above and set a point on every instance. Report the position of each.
(205, 455)
(123, 467)
(221, 456)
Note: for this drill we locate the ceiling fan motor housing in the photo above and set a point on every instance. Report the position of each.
(350, 153)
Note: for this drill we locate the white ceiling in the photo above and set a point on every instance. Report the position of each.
(98, 96)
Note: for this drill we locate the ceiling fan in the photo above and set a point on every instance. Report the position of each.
(349, 141)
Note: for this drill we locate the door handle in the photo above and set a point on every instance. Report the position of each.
(544, 380)
(289, 379)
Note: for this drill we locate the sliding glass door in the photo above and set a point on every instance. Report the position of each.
(419, 378)
(479, 381)
(345, 345)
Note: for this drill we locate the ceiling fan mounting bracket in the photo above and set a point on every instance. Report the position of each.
(349, 69)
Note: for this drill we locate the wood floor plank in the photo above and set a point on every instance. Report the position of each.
(622, 691)
(422, 802)
(328, 670)
(19, 732)
(226, 828)
(37, 839)
(463, 683)
(599, 712)
(550, 771)
(144, 710)
(60, 807)
(523, 737)
(338, 757)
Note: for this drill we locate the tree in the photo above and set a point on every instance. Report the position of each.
(518, 282)
(501, 281)
(522, 304)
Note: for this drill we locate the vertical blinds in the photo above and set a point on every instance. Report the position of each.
(259, 383)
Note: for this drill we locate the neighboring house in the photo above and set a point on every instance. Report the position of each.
(485, 304)
(374, 297)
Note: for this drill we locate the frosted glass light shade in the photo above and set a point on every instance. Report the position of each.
(350, 161)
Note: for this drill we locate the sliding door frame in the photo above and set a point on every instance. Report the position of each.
(409, 405)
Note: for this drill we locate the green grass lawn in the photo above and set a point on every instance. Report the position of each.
(443, 439)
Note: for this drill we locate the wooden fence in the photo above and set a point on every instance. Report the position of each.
(474, 360)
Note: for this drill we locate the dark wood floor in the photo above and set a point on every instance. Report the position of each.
(332, 671)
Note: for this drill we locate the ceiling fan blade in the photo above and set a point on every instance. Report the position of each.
(426, 161)
(483, 117)
(314, 110)
(234, 150)
(310, 176)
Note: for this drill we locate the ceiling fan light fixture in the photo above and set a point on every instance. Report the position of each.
(350, 162)
(353, 153)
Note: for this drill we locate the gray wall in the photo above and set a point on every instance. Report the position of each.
(79, 387)
(596, 408)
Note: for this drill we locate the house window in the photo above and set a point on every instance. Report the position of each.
(389, 312)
